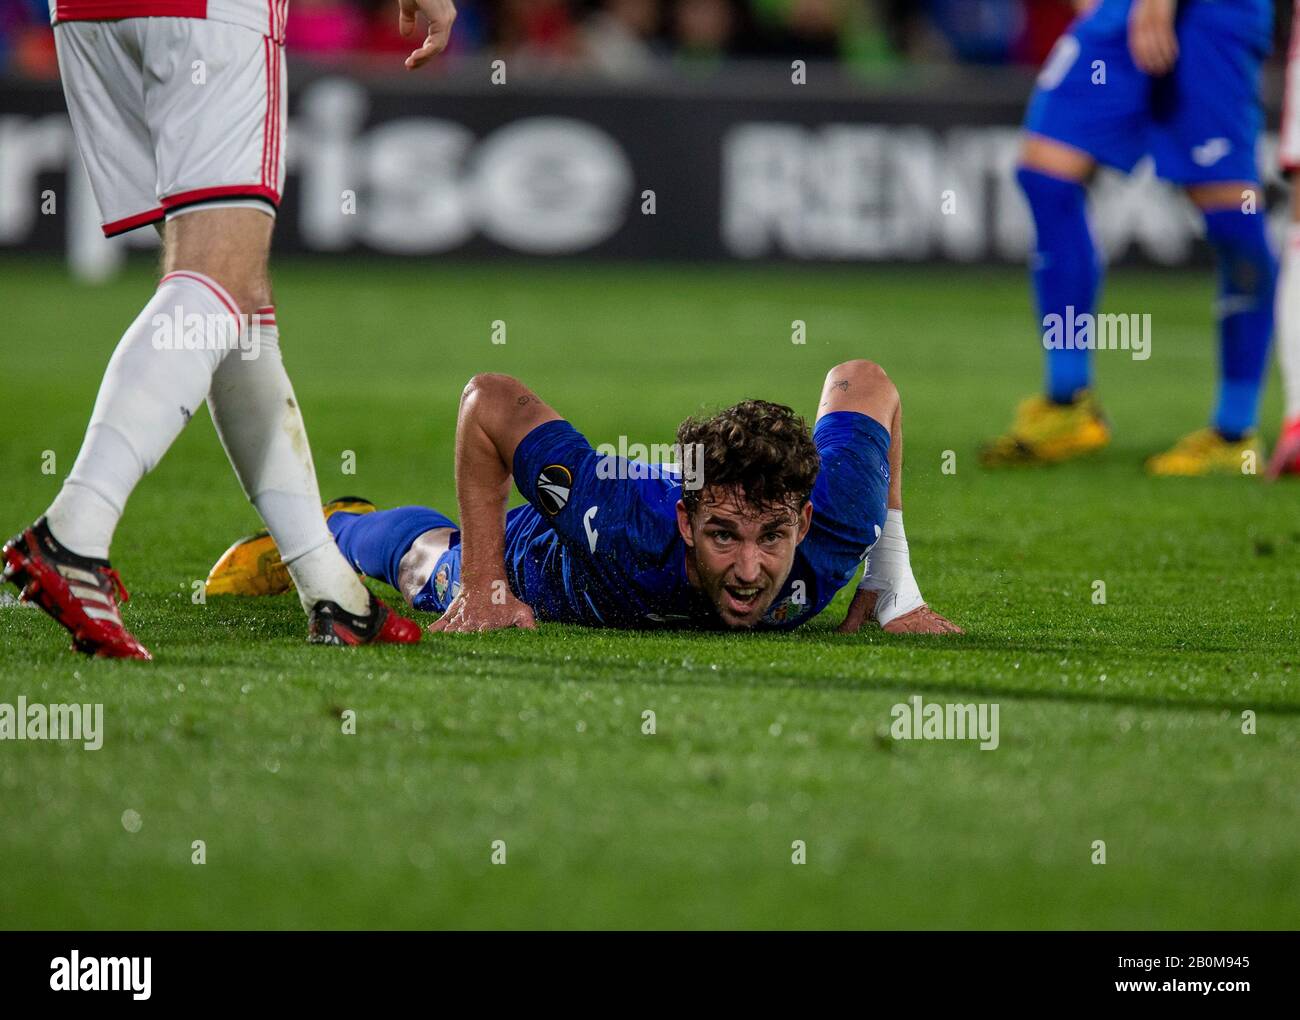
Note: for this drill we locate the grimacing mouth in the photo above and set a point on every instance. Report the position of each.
(742, 606)
(748, 594)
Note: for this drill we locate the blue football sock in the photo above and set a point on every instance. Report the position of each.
(1066, 272)
(1247, 282)
(375, 543)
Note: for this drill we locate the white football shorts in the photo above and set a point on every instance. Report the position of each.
(174, 113)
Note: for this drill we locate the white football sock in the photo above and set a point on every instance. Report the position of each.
(1288, 321)
(155, 381)
(889, 572)
(257, 417)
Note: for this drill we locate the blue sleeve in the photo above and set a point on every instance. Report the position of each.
(582, 494)
(553, 466)
(849, 497)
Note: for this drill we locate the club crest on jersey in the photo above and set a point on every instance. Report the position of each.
(789, 608)
(441, 580)
(553, 486)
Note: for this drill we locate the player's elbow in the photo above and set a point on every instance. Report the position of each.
(862, 375)
(490, 389)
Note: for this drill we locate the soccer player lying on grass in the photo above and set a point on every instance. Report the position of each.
(760, 530)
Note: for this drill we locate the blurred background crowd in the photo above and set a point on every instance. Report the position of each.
(631, 38)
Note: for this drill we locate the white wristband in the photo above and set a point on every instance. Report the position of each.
(889, 572)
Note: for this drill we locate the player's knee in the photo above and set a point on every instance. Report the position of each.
(1245, 254)
(1226, 196)
(249, 294)
(1050, 196)
(863, 375)
(250, 290)
(228, 246)
(1043, 156)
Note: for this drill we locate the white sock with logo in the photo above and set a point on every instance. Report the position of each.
(257, 417)
(153, 385)
(1288, 321)
(889, 572)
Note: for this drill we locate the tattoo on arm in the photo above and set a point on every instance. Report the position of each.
(527, 399)
(838, 384)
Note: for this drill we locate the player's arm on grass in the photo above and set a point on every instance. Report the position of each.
(1151, 36)
(496, 413)
(439, 14)
(863, 387)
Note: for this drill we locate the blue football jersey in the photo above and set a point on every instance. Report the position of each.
(597, 542)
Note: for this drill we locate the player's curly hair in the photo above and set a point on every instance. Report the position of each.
(761, 450)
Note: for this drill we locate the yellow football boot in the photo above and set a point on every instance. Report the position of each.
(1048, 433)
(1205, 452)
(252, 566)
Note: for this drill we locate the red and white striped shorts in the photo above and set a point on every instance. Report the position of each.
(172, 113)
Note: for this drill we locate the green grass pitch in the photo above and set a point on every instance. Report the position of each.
(1119, 722)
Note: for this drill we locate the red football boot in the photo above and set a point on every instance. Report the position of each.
(1286, 454)
(331, 624)
(80, 593)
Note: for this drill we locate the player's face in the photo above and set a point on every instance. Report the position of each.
(740, 555)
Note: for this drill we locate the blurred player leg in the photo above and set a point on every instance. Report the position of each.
(1286, 455)
(1237, 229)
(1065, 268)
(1065, 422)
(1247, 270)
(1206, 141)
(1090, 107)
